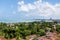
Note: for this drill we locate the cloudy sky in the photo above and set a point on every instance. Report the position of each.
(22, 10)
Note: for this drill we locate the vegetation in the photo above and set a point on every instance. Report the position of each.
(21, 30)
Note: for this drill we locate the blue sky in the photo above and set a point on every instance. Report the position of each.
(53, 1)
(9, 10)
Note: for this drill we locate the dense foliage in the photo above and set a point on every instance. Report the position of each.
(21, 30)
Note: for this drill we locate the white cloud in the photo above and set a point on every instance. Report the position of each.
(40, 8)
(25, 7)
(21, 3)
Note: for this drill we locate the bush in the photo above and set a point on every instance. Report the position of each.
(58, 28)
(41, 32)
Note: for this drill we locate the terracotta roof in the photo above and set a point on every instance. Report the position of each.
(50, 36)
(2, 38)
(13, 39)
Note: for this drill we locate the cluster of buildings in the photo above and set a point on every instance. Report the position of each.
(48, 36)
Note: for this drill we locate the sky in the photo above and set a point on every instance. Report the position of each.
(24, 10)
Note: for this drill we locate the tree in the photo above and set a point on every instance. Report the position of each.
(41, 32)
(58, 28)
